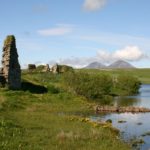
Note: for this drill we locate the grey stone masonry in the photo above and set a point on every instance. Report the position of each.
(46, 68)
(10, 64)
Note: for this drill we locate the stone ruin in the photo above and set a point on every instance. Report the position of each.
(57, 69)
(31, 67)
(40, 68)
(46, 68)
(10, 73)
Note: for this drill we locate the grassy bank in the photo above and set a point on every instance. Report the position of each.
(50, 117)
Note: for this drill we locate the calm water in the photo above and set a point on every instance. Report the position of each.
(136, 124)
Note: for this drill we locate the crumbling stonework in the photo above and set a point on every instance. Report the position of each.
(10, 66)
(56, 69)
(46, 68)
(31, 67)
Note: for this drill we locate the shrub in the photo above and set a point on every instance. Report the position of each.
(92, 86)
(127, 84)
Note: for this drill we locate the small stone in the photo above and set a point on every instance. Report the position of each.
(139, 123)
(137, 142)
(109, 121)
(122, 121)
(146, 134)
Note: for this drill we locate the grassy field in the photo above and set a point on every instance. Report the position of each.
(142, 74)
(51, 118)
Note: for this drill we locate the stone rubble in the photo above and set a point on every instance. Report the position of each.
(100, 109)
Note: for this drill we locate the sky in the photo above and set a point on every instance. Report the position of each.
(78, 32)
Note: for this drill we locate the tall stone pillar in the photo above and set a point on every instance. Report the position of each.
(11, 67)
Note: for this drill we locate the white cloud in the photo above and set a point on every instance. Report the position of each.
(77, 62)
(129, 53)
(59, 30)
(92, 5)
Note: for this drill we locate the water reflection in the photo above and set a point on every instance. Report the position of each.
(127, 101)
(140, 100)
(135, 125)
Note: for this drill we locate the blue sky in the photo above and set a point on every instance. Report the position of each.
(78, 32)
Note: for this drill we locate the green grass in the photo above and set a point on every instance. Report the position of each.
(45, 115)
(142, 74)
(55, 120)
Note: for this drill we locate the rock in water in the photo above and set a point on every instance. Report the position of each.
(11, 67)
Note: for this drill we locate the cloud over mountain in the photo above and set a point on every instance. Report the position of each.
(129, 53)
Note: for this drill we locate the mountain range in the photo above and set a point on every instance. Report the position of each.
(116, 64)
(95, 65)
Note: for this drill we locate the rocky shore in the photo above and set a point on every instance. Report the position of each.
(100, 109)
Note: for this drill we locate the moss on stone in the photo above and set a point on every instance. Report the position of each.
(9, 40)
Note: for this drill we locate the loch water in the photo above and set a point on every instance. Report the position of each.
(134, 126)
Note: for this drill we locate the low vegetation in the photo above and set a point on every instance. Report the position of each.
(126, 85)
(92, 86)
(55, 118)
(142, 74)
(101, 86)
(52, 111)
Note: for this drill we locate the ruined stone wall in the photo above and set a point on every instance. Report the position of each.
(31, 67)
(11, 67)
(61, 69)
(47, 68)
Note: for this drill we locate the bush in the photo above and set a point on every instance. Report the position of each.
(101, 86)
(91, 86)
(127, 85)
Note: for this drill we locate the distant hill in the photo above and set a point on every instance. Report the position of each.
(95, 65)
(116, 64)
(121, 64)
